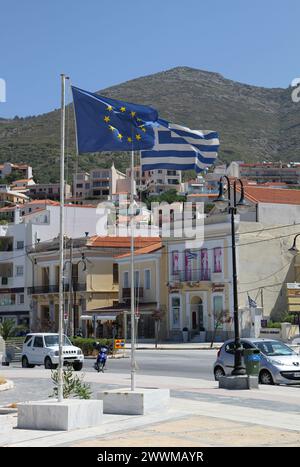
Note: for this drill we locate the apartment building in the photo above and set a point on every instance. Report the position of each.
(16, 268)
(266, 172)
(23, 170)
(91, 284)
(48, 191)
(157, 181)
(149, 289)
(12, 197)
(97, 185)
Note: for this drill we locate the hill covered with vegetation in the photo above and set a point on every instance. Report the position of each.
(254, 123)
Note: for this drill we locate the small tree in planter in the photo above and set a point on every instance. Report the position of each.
(220, 318)
(73, 385)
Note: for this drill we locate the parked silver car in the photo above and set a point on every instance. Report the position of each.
(279, 364)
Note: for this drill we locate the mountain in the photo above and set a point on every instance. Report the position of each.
(254, 123)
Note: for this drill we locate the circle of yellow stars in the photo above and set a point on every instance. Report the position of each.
(122, 109)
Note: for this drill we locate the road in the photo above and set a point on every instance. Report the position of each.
(180, 363)
(186, 364)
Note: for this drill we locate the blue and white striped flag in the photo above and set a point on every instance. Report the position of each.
(179, 148)
(190, 255)
(252, 303)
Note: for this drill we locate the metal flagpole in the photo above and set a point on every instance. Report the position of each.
(133, 366)
(61, 239)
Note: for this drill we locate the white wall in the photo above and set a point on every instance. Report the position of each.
(269, 213)
(265, 263)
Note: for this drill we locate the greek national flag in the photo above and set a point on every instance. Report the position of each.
(190, 255)
(252, 303)
(179, 148)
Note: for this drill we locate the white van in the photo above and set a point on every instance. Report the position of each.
(42, 349)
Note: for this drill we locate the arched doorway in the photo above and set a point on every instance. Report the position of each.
(196, 314)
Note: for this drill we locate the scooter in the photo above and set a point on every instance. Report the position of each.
(101, 359)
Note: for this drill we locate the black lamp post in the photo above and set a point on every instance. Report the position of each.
(232, 207)
(72, 289)
(293, 248)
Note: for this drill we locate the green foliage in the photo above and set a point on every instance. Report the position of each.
(288, 318)
(73, 385)
(7, 328)
(9, 179)
(273, 324)
(86, 344)
(191, 97)
(170, 196)
(208, 207)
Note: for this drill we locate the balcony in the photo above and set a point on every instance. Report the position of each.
(194, 275)
(45, 289)
(138, 293)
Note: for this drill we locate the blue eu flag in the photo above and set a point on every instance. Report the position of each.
(104, 124)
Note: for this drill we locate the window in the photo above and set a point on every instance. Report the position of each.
(6, 243)
(4, 280)
(147, 279)
(38, 341)
(204, 264)
(126, 280)
(7, 299)
(115, 273)
(20, 270)
(175, 309)
(21, 298)
(136, 278)
(175, 262)
(218, 259)
(20, 245)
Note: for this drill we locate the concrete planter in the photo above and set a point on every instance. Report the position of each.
(142, 401)
(70, 414)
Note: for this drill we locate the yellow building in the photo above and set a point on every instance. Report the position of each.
(92, 286)
(12, 197)
(150, 291)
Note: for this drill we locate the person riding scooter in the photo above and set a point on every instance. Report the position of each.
(101, 357)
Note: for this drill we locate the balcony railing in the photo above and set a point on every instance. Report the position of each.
(194, 275)
(138, 292)
(44, 289)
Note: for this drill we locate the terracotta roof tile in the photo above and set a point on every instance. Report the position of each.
(143, 251)
(122, 242)
(272, 195)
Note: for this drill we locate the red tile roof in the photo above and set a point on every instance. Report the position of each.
(122, 242)
(143, 251)
(43, 201)
(272, 195)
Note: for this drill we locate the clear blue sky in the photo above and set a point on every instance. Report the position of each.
(104, 42)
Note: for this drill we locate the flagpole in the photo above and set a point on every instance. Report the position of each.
(61, 240)
(133, 366)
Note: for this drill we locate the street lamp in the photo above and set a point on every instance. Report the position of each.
(293, 248)
(233, 206)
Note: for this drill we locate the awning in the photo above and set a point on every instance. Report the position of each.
(107, 317)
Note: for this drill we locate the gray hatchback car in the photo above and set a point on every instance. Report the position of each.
(279, 364)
